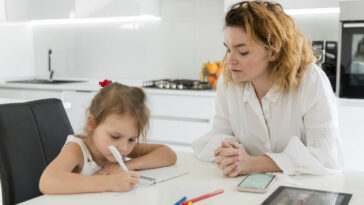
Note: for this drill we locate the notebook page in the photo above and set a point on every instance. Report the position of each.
(143, 182)
(152, 176)
(161, 174)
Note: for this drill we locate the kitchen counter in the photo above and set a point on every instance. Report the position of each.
(93, 85)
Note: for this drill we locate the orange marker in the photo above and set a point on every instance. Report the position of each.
(202, 197)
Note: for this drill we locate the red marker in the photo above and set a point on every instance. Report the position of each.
(203, 197)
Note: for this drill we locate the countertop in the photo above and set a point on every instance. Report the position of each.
(91, 85)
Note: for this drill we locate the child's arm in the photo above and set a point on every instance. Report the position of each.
(58, 178)
(147, 156)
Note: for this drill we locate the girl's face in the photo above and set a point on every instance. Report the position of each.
(246, 63)
(117, 130)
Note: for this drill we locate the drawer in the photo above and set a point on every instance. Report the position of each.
(191, 107)
(79, 101)
(29, 94)
(176, 131)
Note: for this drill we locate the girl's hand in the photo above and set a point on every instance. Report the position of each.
(232, 159)
(123, 181)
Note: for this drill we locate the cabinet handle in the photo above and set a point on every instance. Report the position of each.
(84, 91)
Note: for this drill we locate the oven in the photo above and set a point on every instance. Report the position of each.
(350, 63)
(351, 67)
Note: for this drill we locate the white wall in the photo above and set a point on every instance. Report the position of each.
(189, 34)
(16, 51)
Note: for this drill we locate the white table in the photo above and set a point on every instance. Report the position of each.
(204, 177)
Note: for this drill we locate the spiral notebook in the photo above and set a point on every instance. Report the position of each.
(152, 176)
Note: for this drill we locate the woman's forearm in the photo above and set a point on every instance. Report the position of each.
(263, 164)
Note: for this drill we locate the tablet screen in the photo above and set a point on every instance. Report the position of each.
(292, 195)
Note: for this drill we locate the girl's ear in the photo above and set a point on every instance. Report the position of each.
(90, 124)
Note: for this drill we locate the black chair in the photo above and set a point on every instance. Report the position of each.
(31, 136)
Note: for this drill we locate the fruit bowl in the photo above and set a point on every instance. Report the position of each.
(210, 72)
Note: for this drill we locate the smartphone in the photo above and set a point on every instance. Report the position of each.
(258, 183)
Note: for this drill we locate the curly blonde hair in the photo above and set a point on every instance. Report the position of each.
(267, 24)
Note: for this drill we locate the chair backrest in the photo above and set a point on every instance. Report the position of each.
(31, 136)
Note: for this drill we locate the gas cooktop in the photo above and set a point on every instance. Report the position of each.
(177, 84)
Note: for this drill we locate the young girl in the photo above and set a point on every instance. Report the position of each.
(117, 116)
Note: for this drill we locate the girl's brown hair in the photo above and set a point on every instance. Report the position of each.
(267, 24)
(117, 98)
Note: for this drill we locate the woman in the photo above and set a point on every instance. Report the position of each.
(275, 109)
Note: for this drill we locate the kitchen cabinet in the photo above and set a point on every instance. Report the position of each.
(288, 4)
(115, 8)
(29, 94)
(26, 10)
(78, 104)
(177, 118)
(2, 11)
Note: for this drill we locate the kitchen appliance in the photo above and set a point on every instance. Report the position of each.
(320, 47)
(177, 84)
(327, 59)
(350, 73)
(330, 61)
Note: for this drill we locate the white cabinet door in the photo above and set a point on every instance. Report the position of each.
(2, 11)
(29, 94)
(78, 101)
(115, 8)
(179, 119)
(176, 131)
(25, 10)
(181, 106)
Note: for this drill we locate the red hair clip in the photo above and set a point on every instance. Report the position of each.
(105, 82)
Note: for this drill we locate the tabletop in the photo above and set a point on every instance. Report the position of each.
(205, 177)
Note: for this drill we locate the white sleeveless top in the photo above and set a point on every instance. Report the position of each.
(89, 165)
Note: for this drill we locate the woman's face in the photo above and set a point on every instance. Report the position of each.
(246, 63)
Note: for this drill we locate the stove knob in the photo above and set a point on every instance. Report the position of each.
(173, 86)
(167, 86)
(160, 85)
(180, 86)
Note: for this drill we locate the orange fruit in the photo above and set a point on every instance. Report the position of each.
(212, 80)
(218, 73)
(212, 68)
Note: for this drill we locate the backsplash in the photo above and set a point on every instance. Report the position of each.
(16, 51)
(190, 32)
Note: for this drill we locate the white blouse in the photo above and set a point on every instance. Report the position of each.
(297, 130)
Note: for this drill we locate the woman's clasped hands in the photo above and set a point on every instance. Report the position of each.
(233, 159)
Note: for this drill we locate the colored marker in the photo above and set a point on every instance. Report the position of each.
(181, 200)
(189, 203)
(203, 197)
